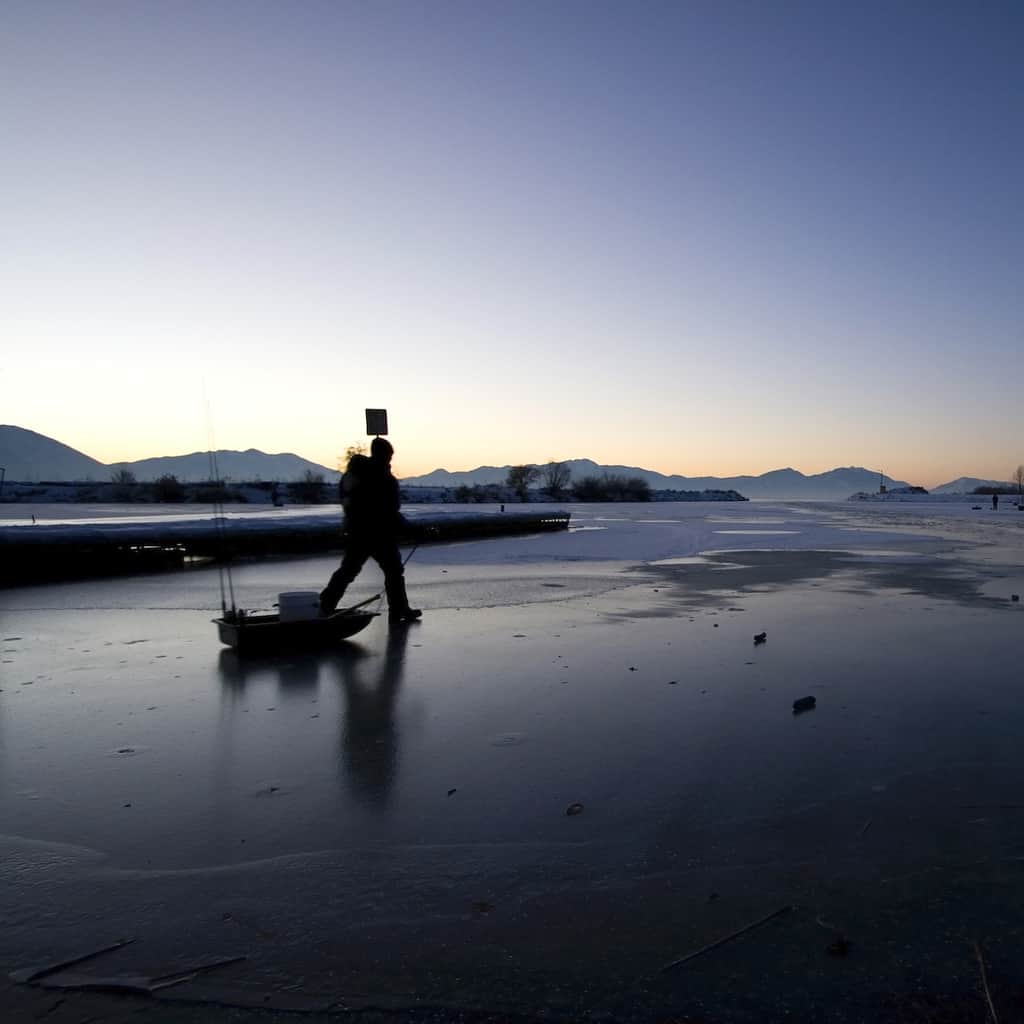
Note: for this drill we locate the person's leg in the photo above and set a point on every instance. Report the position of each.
(354, 560)
(387, 556)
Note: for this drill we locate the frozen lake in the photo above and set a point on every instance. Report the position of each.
(386, 823)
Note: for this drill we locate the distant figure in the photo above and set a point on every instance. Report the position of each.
(995, 502)
(369, 495)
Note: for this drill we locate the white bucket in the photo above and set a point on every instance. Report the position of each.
(297, 605)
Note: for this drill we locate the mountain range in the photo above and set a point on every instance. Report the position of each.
(30, 457)
(836, 484)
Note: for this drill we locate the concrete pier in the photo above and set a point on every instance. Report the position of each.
(44, 552)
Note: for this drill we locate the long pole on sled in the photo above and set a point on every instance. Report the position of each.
(219, 529)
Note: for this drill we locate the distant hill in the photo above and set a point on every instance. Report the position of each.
(30, 457)
(835, 485)
(966, 485)
(252, 464)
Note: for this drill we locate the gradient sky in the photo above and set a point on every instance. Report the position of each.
(703, 238)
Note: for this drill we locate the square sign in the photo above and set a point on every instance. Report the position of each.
(376, 421)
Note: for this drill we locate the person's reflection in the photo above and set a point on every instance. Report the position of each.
(369, 735)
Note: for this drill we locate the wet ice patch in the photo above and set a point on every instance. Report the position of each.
(701, 560)
(747, 522)
(759, 533)
(874, 552)
(1003, 588)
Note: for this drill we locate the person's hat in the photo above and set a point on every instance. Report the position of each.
(380, 448)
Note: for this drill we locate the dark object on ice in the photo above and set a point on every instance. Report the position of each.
(250, 634)
(27, 975)
(838, 948)
(995, 501)
(804, 704)
(573, 809)
(1015, 597)
(975, 508)
(728, 938)
(139, 984)
(760, 638)
(451, 791)
(984, 981)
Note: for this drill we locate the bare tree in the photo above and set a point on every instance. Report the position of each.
(124, 482)
(309, 490)
(555, 477)
(611, 487)
(519, 479)
(353, 449)
(168, 488)
(1018, 479)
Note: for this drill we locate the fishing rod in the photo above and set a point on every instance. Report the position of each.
(380, 596)
(219, 526)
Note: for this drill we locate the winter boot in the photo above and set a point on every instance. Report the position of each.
(406, 615)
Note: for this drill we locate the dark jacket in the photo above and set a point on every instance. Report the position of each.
(369, 495)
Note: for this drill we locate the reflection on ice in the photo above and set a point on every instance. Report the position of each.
(368, 744)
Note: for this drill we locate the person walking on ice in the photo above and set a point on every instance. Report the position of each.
(373, 521)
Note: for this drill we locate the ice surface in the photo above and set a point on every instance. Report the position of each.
(341, 818)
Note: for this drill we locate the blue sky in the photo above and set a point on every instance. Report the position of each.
(698, 237)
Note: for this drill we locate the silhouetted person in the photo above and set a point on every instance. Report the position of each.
(995, 502)
(369, 495)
